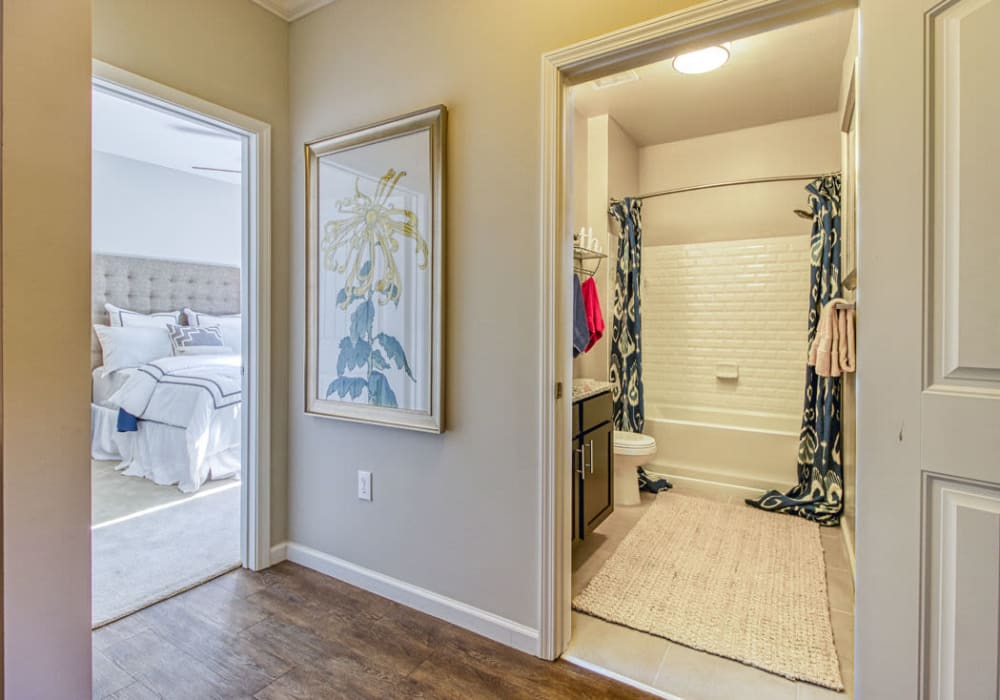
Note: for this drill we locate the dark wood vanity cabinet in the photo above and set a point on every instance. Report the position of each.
(593, 464)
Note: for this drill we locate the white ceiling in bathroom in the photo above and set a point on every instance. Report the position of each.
(783, 74)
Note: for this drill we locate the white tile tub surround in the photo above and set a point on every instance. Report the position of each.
(724, 303)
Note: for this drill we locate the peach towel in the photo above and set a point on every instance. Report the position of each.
(832, 350)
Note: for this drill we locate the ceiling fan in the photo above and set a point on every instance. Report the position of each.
(204, 131)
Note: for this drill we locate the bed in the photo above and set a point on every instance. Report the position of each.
(174, 420)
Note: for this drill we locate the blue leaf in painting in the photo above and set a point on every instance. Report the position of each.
(366, 269)
(362, 319)
(352, 354)
(378, 360)
(394, 350)
(379, 391)
(342, 298)
(343, 386)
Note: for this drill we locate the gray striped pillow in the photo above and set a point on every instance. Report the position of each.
(196, 340)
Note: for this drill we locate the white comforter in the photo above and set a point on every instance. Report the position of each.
(189, 420)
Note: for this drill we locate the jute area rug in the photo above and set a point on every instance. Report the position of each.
(727, 579)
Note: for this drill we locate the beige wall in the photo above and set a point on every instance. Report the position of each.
(46, 309)
(848, 411)
(623, 166)
(612, 170)
(578, 165)
(590, 189)
(456, 513)
(594, 363)
(798, 146)
(235, 54)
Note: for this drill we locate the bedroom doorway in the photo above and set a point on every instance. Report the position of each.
(180, 280)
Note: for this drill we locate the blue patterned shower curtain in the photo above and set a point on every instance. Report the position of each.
(626, 326)
(819, 494)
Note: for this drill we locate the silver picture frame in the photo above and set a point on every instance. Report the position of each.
(375, 273)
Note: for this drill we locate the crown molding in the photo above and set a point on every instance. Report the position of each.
(291, 10)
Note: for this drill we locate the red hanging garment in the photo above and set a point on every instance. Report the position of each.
(595, 320)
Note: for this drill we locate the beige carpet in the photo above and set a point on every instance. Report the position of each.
(726, 579)
(114, 495)
(150, 541)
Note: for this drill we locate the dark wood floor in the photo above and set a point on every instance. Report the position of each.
(289, 632)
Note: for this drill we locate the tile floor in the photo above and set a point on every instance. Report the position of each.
(685, 672)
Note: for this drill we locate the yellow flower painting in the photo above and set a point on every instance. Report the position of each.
(362, 246)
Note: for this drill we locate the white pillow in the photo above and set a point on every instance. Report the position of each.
(231, 325)
(132, 346)
(123, 317)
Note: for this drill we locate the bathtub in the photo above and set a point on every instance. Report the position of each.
(757, 450)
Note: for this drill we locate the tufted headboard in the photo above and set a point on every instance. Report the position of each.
(147, 285)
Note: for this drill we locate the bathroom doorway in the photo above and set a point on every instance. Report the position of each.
(698, 181)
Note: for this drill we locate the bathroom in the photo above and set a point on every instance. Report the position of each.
(700, 256)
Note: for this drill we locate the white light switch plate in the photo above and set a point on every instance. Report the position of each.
(364, 485)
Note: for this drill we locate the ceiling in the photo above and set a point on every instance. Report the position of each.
(128, 129)
(291, 10)
(783, 74)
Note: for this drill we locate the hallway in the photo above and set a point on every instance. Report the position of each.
(289, 632)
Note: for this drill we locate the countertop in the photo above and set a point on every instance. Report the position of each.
(585, 388)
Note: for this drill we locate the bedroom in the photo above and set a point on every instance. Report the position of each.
(168, 218)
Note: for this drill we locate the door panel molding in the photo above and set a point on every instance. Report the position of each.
(960, 509)
(961, 535)
(964, 310)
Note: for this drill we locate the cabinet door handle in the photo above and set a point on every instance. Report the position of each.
(583, 462)
(591, 456)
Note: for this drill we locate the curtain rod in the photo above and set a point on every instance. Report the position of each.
(730, 183)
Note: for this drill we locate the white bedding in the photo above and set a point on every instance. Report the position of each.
(189, 420)
(107, 383)
(104, 433)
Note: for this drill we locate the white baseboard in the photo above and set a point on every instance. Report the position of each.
(847, 529)
(625, 680)
(279, 553)
(482, 622)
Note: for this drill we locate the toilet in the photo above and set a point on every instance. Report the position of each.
(631, 450)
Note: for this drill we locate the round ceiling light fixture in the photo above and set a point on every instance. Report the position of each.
(702, 61)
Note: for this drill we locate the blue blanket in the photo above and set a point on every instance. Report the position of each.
(127, 423)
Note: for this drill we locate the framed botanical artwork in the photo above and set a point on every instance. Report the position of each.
(374, 277)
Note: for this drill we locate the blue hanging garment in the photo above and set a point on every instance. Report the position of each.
(581, 331)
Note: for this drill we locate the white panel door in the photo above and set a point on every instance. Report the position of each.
(928, 552)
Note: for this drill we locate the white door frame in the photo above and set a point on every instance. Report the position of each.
(708, 23)
(255, 510)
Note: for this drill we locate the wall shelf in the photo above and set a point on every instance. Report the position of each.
(582, 255)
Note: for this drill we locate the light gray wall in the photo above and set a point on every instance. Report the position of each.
(456, 513)
(150, 211)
